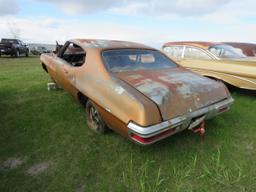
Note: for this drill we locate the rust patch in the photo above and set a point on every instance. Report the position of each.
(158, 92)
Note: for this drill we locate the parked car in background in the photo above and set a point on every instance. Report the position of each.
(248, 49)
(217, 61)
(134, 89)
(203, 50)
(38, 50)
(13, 47)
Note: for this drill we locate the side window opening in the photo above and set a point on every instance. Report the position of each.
(174, 51)
(194, 53)
(74, 55)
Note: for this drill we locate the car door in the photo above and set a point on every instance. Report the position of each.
(68, 62)
(196, 58)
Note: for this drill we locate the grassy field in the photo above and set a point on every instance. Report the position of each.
(47, 146)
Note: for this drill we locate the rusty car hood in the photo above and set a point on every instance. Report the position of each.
(176, 91)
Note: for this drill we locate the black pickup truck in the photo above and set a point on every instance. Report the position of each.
(13, 47)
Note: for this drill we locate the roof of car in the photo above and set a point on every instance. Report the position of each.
(239, 44)
(108, 44)
(201, 44)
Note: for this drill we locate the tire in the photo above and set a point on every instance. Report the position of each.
(17, 53)
(94, 120)
(27, 53)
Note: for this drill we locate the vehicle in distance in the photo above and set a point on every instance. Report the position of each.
(215, 60)
(13, 47)
(38, 50)
(134, 89)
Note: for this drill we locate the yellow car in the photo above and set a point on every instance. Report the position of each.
(215, 60)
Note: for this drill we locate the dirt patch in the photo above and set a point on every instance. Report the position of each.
(38, 168)
(12, 163)
(80, 188)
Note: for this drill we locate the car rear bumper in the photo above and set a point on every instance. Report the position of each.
(154, 133)
(7, 51)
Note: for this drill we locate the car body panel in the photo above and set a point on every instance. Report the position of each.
(175, 91)
(119, 100)
(237, 72)
(227, 71)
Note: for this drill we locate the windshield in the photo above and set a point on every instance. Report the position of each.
(9, 41)
(135, 59)
(226, 51)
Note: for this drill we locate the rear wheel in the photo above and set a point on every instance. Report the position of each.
(94, 120)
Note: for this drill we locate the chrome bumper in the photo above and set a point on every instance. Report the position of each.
(172, 126)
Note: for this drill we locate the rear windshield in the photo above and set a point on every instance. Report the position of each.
(9, 41)
(135, 59)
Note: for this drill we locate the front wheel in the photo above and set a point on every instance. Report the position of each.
(94, 120)
(27, 53)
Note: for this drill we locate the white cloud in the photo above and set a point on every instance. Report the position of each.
(77, 7)
(222, 22)
(9, 7)
(141, 7)
(167, 8)
(48, 30)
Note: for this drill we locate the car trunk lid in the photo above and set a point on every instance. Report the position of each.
(176, 91)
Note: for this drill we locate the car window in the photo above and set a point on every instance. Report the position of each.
(254, 52)
(226, 51)
(194, 53)
(22, 43)
(74, 55)
(14, 41)
(174, 51)
(135, 59)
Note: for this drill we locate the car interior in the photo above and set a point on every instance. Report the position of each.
(74, 55)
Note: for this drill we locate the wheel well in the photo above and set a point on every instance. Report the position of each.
(44, 67)
(213, 78)
(82, 98)
(224, 82)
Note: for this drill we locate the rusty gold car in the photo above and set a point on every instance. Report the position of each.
(215, 60)
(135, 90)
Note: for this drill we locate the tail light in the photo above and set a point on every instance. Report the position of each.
(147, 140)
(223, 109)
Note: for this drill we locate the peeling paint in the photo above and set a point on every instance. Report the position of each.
(119, 90)
(135, 76)
(158, 92)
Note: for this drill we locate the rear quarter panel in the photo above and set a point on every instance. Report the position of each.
(241, 74)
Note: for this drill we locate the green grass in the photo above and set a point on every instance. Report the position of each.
(40, 126)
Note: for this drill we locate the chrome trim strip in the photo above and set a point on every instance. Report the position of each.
(182, 121)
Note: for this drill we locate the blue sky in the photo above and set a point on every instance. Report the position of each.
(148, 21)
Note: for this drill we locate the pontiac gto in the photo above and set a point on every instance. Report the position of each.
(134, 89)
